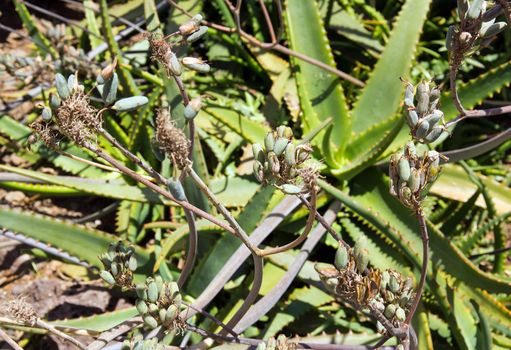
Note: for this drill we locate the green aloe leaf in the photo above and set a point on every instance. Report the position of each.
(99, 323)
(42, 43)
(82, 242)
(381, 96)
(117, 189)
(92, 24)
(321, 94)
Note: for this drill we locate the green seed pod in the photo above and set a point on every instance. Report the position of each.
(161, 314)
(176, 189)
(107, 277)
(158, 153)
(142, 307)
(385, 278)
(152, 291)
(362, 260)
(153, 308)
(434, 134)
(404, 169)
(422, 98)
(173, 289)
(129, 103)
(173, 63)
(493, 29)
(341, 257)
(269, 142)
(46, 114)
(196, 64)
(422, 129)
(409, 95)
(462, 8)
(197, 34)
(291, 189)
(280, 145)
(284, 131)
(193, 108)
(389, 296)
(109, 93)
(114, 268)
(393, 284)
(257, 151)
(434, 117)
(190, 26)
(405, 194)
(412, 118)
(290, 154)
(62, 88)
(403, 301)
(54, 101)
(150, 322)
(414, 182)
(171, 313)
(132, 263)
(433, 158)
(390, 310)
(178, 299)
(400, 314)
(72, 82)
(100, 80)
(141, 290)
(476, 9)
(410, 150)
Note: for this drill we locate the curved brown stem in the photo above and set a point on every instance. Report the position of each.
(424, 270)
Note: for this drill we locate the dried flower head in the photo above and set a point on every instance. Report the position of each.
(47, 133)
(161, 51)
(77, 119)
(172, 140)
(19, 310)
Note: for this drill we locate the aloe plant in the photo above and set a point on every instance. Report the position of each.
(222, 242)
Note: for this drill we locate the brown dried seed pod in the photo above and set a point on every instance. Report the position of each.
(171, 139)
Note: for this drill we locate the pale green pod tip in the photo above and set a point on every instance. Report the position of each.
(171, 313)
(412, 118)
(280, 145)
(404, 169)
(199, 33)
(291, 189)
(114, 268)
(290, 154)
(62, 87)
(400, 314)
(393, 284)
(414, 181)
(173, 64)
(422, 129)
(46, 114)
(269, 141)
(176, 189)
(409, 95)
(161, 314)
(390, 310)
(257, 151)
(132, 263)
(54, 101)
(491, 30)
(141, 290)
(141, 306)
(152, 291)
(150, 321)
(196, 64)
(130, 103)
(107, 277)
(341, 257)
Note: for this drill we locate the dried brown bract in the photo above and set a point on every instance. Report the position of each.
(47, 133)
(172, 140)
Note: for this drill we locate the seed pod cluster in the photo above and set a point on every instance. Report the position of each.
(411, 175)
(158, 302)
(139, 343)
(281, 343)
(280, 162)
(387, 292)
(425, 120)
(476, 30)
(120, 263)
